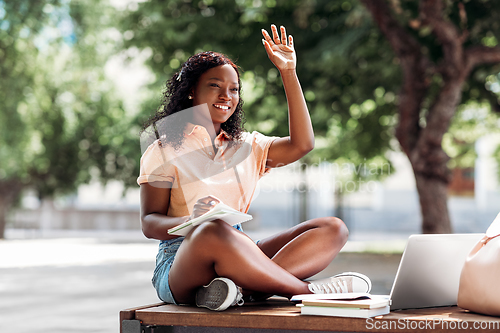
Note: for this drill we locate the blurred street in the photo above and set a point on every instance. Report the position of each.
(78, 281)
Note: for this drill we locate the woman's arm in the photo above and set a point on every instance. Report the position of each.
(155, 200)
(301, 140)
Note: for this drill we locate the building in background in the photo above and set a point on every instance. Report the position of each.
(390, 206)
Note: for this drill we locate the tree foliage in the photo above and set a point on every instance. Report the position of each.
(344, 64)
(355, 77)
(60, 122)
(440, 46)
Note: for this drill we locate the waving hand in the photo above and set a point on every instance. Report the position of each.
(289, 149)
(280, 50)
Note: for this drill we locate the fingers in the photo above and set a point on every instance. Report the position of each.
(206, 203)
(209, 198)
(276, 39)
(267, 46)
(283, 35)
(267, 38)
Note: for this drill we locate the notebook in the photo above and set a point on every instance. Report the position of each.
(220, 211)
(429, 270)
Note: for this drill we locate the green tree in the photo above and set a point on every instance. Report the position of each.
(19, 21)
(60, 122)
(334, 43)
(339, 53)
(445, 49)
(363, 88)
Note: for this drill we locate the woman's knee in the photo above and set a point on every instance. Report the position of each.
(211, 231)
(335, 227)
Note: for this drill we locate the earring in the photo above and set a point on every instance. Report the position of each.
(190, 96)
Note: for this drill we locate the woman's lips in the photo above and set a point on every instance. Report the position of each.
(223, 107)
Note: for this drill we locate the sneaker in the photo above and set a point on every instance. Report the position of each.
(219, 294)
(348, 282)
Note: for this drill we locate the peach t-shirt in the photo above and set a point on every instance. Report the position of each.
(195, 170)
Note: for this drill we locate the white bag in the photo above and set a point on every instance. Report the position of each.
(479, 289)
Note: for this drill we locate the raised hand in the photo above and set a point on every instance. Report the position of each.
(280, 50)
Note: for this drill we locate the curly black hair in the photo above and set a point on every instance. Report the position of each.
(175, 99)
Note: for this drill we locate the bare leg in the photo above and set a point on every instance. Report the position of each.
(217, 249)
(307, 248)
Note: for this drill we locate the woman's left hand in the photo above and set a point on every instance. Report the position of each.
(280, 50)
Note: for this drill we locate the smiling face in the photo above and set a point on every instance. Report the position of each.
(219, 89)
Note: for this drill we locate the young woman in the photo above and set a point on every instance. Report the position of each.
(206, 266)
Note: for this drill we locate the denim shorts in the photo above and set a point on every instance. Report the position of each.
(164, 260)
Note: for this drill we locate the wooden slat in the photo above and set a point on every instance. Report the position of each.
(284, 315)
(129, 314)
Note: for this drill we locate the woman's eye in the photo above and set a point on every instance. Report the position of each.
(214, 85)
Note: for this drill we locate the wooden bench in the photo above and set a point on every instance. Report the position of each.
(278, 315)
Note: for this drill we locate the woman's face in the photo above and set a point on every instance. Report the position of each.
(218, 88)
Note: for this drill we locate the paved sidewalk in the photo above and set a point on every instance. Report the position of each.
(79, 281)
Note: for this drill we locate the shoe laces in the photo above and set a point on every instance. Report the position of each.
(239, 298)
(337, 286)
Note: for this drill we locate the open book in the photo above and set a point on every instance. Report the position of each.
(220, 211)
(334, 296)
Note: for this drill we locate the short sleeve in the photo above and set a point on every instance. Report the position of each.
(154, 166)
(261, 144)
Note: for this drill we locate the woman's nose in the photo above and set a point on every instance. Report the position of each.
(224, 94)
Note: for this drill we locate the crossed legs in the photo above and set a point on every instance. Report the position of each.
(277, 265)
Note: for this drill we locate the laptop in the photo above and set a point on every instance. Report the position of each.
(429, 271)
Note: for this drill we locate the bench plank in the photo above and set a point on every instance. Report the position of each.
(281, 315)
(129, 314)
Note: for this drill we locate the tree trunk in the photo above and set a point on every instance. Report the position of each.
(3, 217)
(339, 205)
(422, 144)
(9, 191)
(303, 193)
(432, 193)
(429, 160)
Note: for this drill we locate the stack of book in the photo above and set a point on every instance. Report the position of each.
(344, 305)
